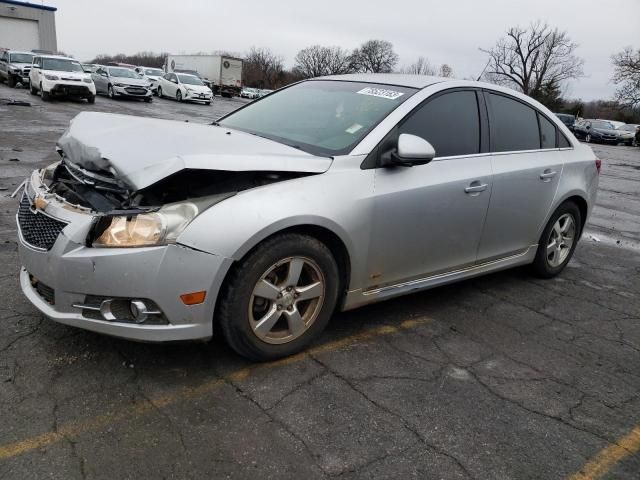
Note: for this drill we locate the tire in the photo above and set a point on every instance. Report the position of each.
(33, 90)
(241, 310)
(148, 100)
(159, 92)
(587, 138)
(91, 99)
(110, 92)
(550, 261)
(44, 95)
(179, 96)
(11, 81)
(207, 103)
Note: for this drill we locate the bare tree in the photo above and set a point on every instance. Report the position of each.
(445, 71)
(316, 61)
(627, 77)
(375, 56)
(262, 68)
(422, 66)
(533, 59)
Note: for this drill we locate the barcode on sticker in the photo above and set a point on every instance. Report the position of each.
(380, 92)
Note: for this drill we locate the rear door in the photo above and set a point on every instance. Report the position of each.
(527, 163)
(428, 219)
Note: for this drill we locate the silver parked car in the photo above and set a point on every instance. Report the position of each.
(329, 194)
(118, 82)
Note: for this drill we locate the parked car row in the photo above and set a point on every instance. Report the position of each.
(254, 93)
(604, 131)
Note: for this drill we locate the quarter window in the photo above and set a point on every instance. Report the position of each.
(514, 125)
(547, 133)
(450, 122)
(563, 142)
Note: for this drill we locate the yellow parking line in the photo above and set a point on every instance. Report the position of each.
(98, 423)
(609, 456)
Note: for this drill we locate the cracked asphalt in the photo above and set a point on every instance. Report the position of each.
(501, 377)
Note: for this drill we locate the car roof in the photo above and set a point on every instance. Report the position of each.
(399, 79)
(61, 57)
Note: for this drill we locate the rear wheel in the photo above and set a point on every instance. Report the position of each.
(558, 241)
(279, 298)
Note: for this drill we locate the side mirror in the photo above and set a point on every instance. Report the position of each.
(588, 127)
(411, 150)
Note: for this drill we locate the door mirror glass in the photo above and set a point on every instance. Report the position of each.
(411, 150)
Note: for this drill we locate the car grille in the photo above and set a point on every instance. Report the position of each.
(45, 291)
(136, 90)
(70, 79)
(37, 229)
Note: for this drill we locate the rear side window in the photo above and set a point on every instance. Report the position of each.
(547, 133)
(450, 122)
(513, 124)
(563, 142)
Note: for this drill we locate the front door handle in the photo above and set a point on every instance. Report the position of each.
(547, 175)
(476, 187)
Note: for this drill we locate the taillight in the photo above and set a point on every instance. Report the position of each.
(598, 165)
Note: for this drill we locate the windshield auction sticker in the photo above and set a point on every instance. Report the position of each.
(380, 92)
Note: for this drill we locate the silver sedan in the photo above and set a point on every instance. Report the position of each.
(327, 195)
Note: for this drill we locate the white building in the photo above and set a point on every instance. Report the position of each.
(27, 26)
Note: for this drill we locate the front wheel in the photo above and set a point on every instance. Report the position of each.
(11, 81)
(159, 92)
(32, 89)
(110, 92)
(91, 99)
(558, 241)
(587, 138)
(148, 100)
(179, 96)
(279, 298)
(44, 95)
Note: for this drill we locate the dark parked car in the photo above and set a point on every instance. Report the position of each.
(597, 131)
(567, 119)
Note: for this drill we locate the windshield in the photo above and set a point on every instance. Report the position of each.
(602, 125)
(190, 80)
(61, 65)
(123, 73)
(156, 72)
(322, 117)
(21, 58)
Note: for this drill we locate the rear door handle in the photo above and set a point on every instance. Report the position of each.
(547, 175)
(476, 187)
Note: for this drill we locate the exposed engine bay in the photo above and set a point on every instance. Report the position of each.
(102, 192)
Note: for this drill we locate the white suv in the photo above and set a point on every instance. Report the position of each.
(56, 75)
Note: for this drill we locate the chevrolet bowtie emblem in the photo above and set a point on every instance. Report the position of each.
(40, 203)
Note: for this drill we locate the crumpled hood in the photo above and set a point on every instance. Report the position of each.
(142, 151)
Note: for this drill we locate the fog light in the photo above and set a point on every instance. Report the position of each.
(140, 311)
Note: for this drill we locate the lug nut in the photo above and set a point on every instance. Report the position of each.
(279, 307)
(290, 308)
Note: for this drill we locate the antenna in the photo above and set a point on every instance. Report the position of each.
(482, 72)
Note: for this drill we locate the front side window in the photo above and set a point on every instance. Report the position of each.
(513, 124)
(547, 133)
(153, 71)
(450, 122)
(61, 65)
(322, 117)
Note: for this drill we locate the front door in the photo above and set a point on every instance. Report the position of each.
(428, 219)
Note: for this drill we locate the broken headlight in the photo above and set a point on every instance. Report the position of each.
(144, 229)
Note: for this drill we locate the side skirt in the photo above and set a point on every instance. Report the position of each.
(358, 298)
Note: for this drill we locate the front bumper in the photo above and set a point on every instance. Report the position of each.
(73, 272)
(203, 97)
(69, 88)
(133, 92)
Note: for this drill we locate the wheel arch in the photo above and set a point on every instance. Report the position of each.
(334, 242)
(579, 198)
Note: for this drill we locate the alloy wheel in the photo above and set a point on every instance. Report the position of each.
(179, 96)
(561, 239)
(287, 300)
(159, 92)
(110, 91)
(587, 138)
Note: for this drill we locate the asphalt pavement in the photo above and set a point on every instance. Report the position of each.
(501, 377)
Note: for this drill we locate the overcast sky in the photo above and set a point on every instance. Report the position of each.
(443, 31)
